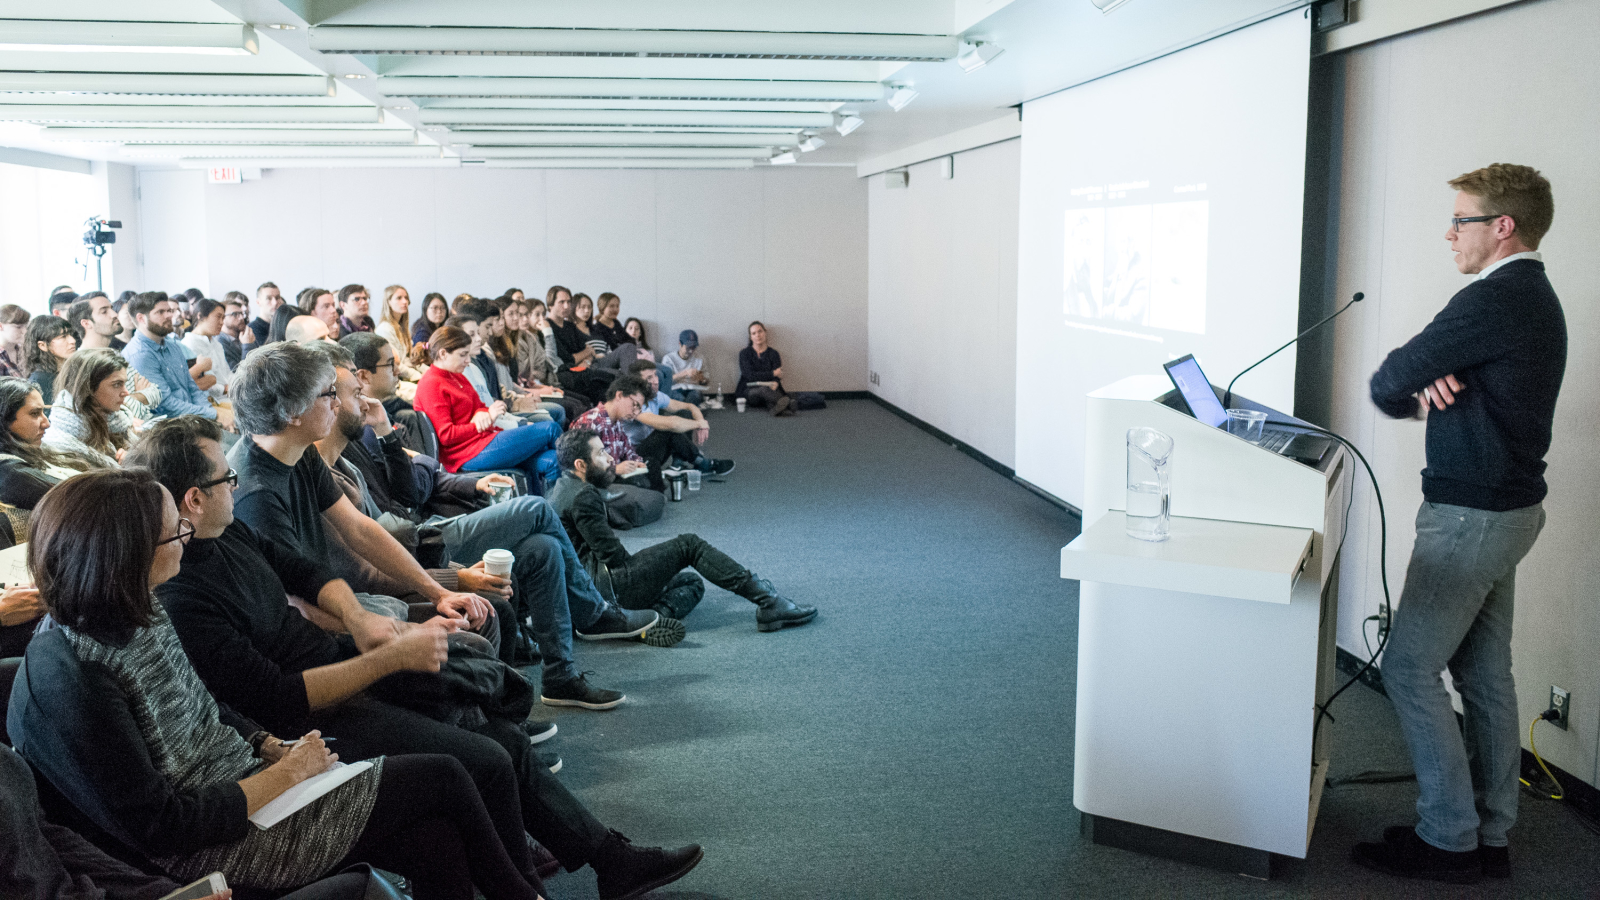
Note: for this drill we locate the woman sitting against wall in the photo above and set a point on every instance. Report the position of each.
(49, 342)
(761, 374)
(112, 714)
(88, 417)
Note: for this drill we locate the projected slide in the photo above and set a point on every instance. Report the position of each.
(1159, 215)
(1143, 263)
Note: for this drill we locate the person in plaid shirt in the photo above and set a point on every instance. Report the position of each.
(624, 400)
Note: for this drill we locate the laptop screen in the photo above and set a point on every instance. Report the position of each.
(1196, 391)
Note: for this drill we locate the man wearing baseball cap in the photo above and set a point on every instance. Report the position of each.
(682, 371)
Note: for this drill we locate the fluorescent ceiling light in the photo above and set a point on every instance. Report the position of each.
(217, 151)
(261, 115)
(624, 103)
(149, 83)
(846, 122)
(592, 152)
(311, 162)
(614, 163)
(126, 37)
(718, 118)
(811, 143)
(436, 40)
(627, 88)
(975, 55)
(903, 95)
(784, 159)
(1106, 6)
(683, 130)
(231, 135)
(621, 139)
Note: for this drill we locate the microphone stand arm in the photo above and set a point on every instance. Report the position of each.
(1227, 395)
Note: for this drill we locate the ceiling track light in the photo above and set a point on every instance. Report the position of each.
(902, 96)
(811, 143)
(846, 122)
(282, 27)
(630, 42)
(976, 54)
(784, 159)
(353, 76)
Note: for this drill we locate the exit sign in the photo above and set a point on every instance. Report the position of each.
(224, 175)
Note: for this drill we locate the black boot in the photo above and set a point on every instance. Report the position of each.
(774, 611)
(624, 871)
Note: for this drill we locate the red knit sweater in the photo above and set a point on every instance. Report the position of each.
(449, 402)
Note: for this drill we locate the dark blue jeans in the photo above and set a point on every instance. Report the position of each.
(530, 448)
(549, 585)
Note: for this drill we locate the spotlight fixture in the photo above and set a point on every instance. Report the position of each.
(902, 96)
(846, 122)
(811, 143)
(352, 76)
(976, 54)
(283, 27)
(783, 159)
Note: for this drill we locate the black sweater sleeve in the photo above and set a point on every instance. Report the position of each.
(589, 518)
(77, 730)
(1468, 332)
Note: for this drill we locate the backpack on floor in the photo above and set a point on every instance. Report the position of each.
(629, 506)
(808, 400)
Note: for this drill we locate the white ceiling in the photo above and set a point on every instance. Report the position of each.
(630, 83)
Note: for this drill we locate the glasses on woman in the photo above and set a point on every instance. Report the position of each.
(185, 531)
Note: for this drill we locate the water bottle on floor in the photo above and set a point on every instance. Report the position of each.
(1149, 502)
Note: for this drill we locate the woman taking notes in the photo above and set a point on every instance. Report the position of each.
(113, 715)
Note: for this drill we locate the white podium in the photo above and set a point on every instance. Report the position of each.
(1201, 659)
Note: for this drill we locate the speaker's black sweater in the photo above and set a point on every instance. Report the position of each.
(1504, 337)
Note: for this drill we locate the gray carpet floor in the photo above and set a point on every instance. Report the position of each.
(915, 741)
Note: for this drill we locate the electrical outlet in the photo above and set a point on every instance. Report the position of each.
(1561, 702)
(1383, 621)
(872, 377)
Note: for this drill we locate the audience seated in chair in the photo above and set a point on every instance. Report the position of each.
(228, 604)
(28, 468)
(584, 369)
(551, 586)
(161, 361)
(286, 397)
(203, 339)
(634, 328)
(666, 430)
(469, 439)
(654, 578)
(761, 375)
(96, 320)
(88, 418)
(50, 341)
(307, 329)
(13, 327)
(355, 306)
(605, 325)
(111, 713)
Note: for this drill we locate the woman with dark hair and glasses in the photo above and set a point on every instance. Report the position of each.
(27, 467)
(112, 714)
(434, 311)
(50, 341)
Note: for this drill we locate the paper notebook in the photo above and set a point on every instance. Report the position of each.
(305, 793)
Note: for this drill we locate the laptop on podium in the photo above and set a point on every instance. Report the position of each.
(1199, 399)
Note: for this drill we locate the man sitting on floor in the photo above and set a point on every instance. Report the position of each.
(683, 370)
(254, 653)
(653, 578)
(551, 584)
(623, 400)
(667, 429)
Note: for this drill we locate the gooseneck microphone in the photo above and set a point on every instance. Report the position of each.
(1227, 396)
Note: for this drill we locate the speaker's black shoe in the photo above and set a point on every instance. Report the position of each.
(1403, 854)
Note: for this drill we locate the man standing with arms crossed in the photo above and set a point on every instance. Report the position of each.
(1485, 373)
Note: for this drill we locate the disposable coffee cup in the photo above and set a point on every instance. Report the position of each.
(694, 479)
(498, 562)
(739, 403)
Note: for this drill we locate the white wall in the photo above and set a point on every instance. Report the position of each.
(1415, 115)
(684, 249)
(942, 288)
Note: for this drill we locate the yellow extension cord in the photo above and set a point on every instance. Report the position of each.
(1560, 791)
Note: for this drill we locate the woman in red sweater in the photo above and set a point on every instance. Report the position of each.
(468, 438)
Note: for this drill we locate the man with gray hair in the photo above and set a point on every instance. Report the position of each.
(285, 399)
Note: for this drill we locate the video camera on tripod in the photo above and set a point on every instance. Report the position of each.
(96, 239)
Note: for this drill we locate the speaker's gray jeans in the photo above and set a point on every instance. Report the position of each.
(1455, 612)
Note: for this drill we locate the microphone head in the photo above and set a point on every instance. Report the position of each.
(1358, 297)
